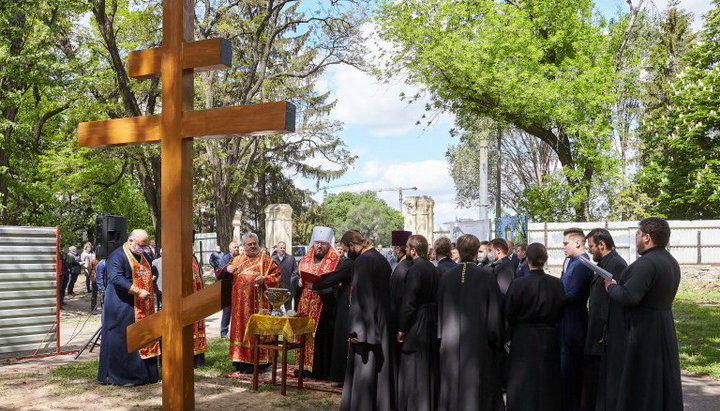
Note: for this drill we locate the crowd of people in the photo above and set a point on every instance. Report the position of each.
(471, 325)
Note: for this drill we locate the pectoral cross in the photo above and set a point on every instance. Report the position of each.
(175, 61)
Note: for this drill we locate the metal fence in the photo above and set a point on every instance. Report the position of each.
(205, 244)
(28, 304)
(691, 242)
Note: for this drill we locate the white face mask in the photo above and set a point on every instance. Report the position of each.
(482, 256)
(491, 256)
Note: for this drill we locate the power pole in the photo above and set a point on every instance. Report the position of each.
(498, 202)
(484, 204)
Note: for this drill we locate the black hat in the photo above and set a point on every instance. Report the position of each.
(400, 238)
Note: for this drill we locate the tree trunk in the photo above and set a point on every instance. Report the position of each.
(224, 224)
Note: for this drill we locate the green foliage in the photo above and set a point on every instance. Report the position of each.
(550, 201)
(56, 72)
(681, 156)
(359, 211)
(697, 317)
(545, 67)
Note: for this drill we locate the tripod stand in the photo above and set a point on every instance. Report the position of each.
(93, 341)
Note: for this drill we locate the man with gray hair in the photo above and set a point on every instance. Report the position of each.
(129, 297)
(252, 273)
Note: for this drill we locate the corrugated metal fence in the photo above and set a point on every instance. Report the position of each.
(691, 242)
(27, 288)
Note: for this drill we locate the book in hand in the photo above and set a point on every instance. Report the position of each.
(597, 269)
(312, 278)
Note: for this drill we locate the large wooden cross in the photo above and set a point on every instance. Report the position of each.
(175, 61)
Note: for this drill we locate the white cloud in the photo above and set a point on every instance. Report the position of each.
(365, 101)
(431, 177)
(697, 7)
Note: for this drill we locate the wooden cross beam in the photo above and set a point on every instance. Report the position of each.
(175, 62)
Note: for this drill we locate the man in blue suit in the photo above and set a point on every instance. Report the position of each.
(576, 279)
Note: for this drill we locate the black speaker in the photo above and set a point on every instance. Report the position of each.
(110, 233)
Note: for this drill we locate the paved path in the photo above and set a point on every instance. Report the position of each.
(701, 393)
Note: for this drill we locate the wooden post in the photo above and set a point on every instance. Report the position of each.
(175, 62)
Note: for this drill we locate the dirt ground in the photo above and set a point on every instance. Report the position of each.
(28, 384)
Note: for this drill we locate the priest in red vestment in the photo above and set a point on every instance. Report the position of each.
(252, 273)
(321, 306)
(199, 338)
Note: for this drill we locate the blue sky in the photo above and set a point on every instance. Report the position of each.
(392, 151)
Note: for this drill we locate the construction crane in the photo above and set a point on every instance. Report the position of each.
(325, 189)
(400, 193)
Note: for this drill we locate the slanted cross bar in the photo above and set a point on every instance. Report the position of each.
(175, 62)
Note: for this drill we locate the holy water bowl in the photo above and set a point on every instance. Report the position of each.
(277, 298)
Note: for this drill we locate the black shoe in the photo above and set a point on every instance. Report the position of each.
(306, 374)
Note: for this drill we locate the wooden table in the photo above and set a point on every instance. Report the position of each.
(289, 328)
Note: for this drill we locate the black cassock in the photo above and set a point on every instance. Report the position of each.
(650, 377)
(339, 280)
(397, 290)
(471, 330)
(325, 336)
(418, 361)
(445, 264)
(397, 286)
(533, 307)
(369, 377)
(504, 270)
(595, 342)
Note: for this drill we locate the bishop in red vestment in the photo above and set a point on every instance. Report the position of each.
(321, 306)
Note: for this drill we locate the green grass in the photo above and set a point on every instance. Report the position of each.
(76, 370)
(697, 319)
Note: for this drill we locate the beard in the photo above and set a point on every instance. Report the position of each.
(597, 257)
(352, 254)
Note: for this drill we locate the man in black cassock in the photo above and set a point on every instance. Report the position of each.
(471, 330)
(417, 332)
(602, 248)
(369, 378)
(503, 268)
(650, 378)
(576, 279)
(339, 282)
(397, 278)
(442, 248)
(533, 307)
(397, 288)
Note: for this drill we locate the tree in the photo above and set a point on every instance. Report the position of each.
(279, 53)
(681, 156)
(360, 211)
(31, 81)
(526, 162)
(545, 67)
(282, 54)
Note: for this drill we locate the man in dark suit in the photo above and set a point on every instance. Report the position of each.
(576, 279)
(288, 270)
(602, 248)
(522, 269)
(512, 256)
(442, 248)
